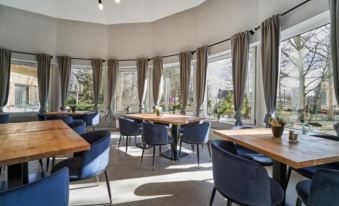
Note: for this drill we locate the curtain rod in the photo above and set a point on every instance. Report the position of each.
(288, 11)
(29, 53)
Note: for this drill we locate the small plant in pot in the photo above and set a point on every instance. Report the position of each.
(277, 126)
(73, 108)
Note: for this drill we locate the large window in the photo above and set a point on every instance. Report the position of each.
(306, 94)
(80, 92)
(127, 91)
(23, 89)
(220, 102)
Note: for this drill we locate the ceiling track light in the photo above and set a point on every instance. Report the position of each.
(117, 1)
(101, 6)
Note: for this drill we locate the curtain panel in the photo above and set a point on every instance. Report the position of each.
(240, 50)
(112, 77)
(157, 78)
(270, 42)
(334, 19)
(65, 65)
(142, 65)
(185, 59)
(97, 79)
(201, 71)
(44, 69)
(5, 71)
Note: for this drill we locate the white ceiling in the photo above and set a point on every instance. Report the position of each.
(128, 11)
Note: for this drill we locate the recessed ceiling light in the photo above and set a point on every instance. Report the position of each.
(117, 1)
(101, 7)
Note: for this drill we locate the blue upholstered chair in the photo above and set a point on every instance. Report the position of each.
(92, 119)
(52, 191)
(154, 135)
(310, 171)
(41, 117)
(4, 118)
(252, 155)
(77, 125)
(322, 190)
(240, 180)
(91, 163)
(129, 128)
(195, 134)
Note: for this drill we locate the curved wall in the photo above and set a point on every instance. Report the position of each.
(212, 21)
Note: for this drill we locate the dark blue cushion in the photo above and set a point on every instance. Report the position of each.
(254, 156)
(79, 126)
(50, 191)
(310, 171)
(303, 189)
(73, 164)
(4, 118)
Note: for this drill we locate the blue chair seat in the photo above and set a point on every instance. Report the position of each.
(4, 117)
(74, 165)
(277, 193)
(303, 189)
(310, 171)
(254, 156)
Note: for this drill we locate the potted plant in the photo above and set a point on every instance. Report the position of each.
(73, 108)
(277, 126)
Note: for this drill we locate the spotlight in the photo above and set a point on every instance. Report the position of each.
(101, 7)
(117, 1)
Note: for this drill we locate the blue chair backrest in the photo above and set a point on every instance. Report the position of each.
(155, 134)
(4, 117)
(52, 191)
(129, 127)
(66, 119)
(326, 136)
(324, 188)
(96, 159)
(197, 133)
(92, 118)
(238, 179)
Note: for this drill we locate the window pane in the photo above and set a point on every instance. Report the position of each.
(80, 92)
(127, 92)
(220, 89)
(170, 100)
(23, 89)
(306, 92)
(247, 110)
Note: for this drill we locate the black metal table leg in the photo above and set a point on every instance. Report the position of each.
(17, 175)
(173, 153)
(279, 174)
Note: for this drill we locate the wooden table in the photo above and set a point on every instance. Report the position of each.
(73, 114)
(175, 120)
(310, 151)
(27, 141)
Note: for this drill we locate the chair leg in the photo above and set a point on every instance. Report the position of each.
(135, 140)
(159, 150)
(42, 165)
(198, 156)
(53, 161)
(212, 196)
(153, 157)
(108, 188)
(119, 141)
(143, 151)
(192, 146)
(298, 203)
(179, 155)
(126, 144)
(229, 203)
(93, 128)
(289, 171)
(209, 148)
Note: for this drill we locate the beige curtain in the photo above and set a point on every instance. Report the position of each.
(97, 77)
(185, 59)
(112, 76)
(240, 49)
(157, 78)
(201, 70)
(5, 71)
(142, 65)
(270, 42)
(334, 17)
(44, 69)
(65, 65)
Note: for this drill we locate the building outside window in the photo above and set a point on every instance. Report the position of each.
(80, 91)
(23, 88)
(306, 95)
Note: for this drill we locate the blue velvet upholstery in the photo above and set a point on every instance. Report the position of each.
(322, 190)
(196, 133)
(4, 117)
(92, 118)
(155, 134)
(78, 125)
(92, 162)
(240, 180)
(66, 119)
(129, 127)
(252, 155)
(51, 191)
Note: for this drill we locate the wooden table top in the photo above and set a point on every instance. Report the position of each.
(174, 119)
(66, 113)
(24, 146)
(22, 127)
(310, 151)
